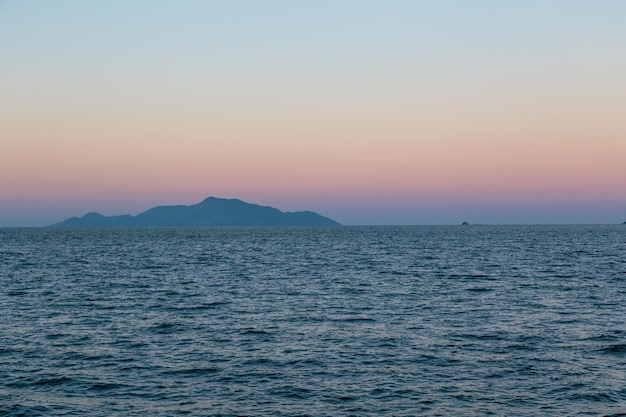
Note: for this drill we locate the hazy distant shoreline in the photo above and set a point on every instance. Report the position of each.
(210, 212)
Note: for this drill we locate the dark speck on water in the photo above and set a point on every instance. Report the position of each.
(363, 321)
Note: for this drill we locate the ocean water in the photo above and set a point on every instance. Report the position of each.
(363, 321)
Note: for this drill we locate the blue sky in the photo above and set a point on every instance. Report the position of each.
(400, 112)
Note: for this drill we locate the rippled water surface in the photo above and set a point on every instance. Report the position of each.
(364, 321)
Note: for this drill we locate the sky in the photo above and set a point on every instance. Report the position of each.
(369, 112)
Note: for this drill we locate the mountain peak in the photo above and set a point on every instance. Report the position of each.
(213, 200)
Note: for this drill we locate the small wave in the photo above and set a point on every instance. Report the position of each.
(259, 361)
(194, 371)
(484, 336)
(254, 332)
(619, 349)
(353, 319)
(52, 381)
(198, 307)
(291, 392)
(607, 337)
(379, 392)
(152, 267)
(305, 362)
(521, 347)
(23, 410)
(600, 397)
(479, 289)
(103, 386)
(165, 328)
(6, 351)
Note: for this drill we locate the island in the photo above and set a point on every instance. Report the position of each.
(212, 211)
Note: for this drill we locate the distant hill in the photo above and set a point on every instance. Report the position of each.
(210, 212)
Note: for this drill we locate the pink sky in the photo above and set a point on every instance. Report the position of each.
(418, 121)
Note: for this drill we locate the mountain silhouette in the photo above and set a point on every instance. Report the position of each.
(210, 212)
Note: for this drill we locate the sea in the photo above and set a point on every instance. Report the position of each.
(334, 321)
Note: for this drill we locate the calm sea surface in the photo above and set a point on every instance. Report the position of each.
(364, 321)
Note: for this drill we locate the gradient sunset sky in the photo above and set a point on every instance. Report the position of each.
(369, 112)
